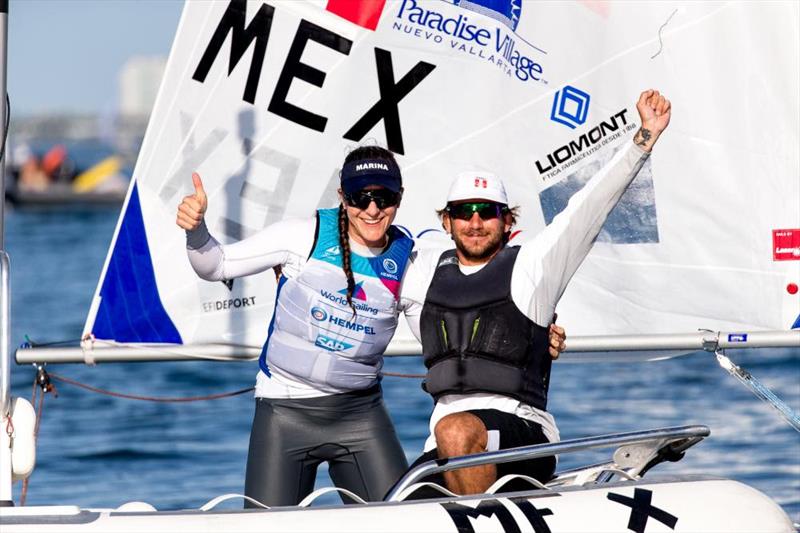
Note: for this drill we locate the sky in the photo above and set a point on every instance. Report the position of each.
(64, 56)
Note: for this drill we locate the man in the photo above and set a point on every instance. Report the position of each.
(487, 307)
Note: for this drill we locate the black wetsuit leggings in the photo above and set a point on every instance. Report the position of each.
(290, 438)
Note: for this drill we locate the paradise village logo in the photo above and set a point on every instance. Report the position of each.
(572, 164)
(442, 25)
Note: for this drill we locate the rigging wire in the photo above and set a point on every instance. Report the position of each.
(661, 42)
(5, 129)
(758, 388)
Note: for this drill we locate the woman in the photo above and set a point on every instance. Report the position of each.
(318, 396)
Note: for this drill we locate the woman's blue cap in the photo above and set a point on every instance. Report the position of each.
(357, 175)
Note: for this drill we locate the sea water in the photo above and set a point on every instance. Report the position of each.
(102, 451)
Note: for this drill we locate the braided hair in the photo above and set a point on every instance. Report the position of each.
(362, 152)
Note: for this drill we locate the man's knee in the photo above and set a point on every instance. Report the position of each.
(460, 433)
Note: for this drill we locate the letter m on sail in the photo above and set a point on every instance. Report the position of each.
(233, 22)
(365, 13)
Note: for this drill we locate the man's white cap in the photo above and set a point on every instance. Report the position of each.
(477, 185)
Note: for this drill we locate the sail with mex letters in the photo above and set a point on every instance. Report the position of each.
(264, 98)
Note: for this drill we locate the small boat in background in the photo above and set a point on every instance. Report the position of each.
(63, 177)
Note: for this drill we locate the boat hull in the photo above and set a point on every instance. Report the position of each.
(675, 504)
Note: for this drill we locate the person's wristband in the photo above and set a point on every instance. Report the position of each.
(198, 237)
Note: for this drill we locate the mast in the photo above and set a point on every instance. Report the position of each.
(5, 307)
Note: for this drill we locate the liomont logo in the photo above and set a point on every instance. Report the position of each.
(319, 314)
(390, 266)
(570, 107)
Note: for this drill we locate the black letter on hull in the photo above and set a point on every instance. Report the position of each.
(461, 514)
(233, 22)
(641, 510)
(293, 68)
(391, 94)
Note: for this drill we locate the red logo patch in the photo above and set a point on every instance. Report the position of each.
(365, 13)
(786, 245)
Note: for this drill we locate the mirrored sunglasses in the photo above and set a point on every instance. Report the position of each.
(383, 198)
(485, 210)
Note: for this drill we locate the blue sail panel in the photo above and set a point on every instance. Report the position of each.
(130, 307)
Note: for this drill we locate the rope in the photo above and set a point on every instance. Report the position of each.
(660, 42)
(401, 375)
(149, 398)
(41, 386)
(98, 390)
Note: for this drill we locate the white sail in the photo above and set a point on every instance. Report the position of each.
(264, 99)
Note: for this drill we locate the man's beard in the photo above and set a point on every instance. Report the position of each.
(481, 252)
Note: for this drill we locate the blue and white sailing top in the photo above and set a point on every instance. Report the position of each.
(315, 345)
(315, 336)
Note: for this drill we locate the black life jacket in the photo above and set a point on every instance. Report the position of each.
(475, 339)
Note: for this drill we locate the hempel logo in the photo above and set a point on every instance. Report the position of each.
(319, 314)
(570, 107)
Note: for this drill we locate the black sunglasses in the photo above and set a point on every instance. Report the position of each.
(383, 198)
(485, 210)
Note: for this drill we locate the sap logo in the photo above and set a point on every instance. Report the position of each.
(319, 314)
(358, 292)
(570, 107)
(506, 11)
(372, 166)
(390, 266)
(737, 337)
(332, 345)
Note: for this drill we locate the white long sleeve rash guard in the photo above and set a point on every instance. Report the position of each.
(544, 266)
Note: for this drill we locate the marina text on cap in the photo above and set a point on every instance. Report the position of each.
(356, 175)
(477, 185)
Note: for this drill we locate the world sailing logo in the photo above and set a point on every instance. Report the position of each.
(473, 35)
(358, 292)
(342, 300)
